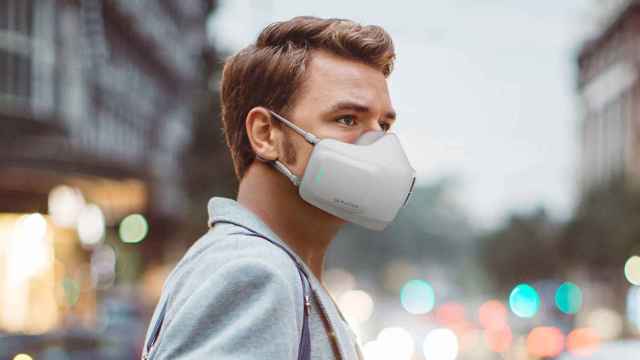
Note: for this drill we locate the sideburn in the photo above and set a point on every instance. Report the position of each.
(289, 155)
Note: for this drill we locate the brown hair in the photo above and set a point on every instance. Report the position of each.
(270, 72)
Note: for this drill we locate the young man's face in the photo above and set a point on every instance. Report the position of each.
(339, 99)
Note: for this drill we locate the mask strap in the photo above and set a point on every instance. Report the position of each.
(311, 139)
(286, 172)
(282, 169)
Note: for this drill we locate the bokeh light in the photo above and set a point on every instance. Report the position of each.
(417, 297)
(373, 350)
(569, 298)
(471, 342)
(493, 315)
(632, 270)
(356, 305)
(133, 229)
(103, 266)
(339, 281)
(65, 205)
(91, 225)
(498, 340)
(397, 342)
(469, 337)
(583, 342)
(451, 314)
(441, 344)
(391, 343)
(22, 357)
(524, 301)
(545, 341)
(71, 291)
(633, 307)
(30, 249)
(607, 323)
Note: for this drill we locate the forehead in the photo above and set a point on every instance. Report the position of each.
(331, 79)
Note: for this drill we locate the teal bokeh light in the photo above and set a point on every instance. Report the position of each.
(524, 301)
(417, 297)
(569, 298)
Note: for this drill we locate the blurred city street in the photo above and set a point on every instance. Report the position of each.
(522, 237)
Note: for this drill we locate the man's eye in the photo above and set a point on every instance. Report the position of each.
(347, 120)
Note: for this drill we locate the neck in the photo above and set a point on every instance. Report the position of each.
(306, 229)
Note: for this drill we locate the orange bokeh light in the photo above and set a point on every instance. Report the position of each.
(545, 341)
(583, 342)
(493, 315)
(498, 340)
(451, 313)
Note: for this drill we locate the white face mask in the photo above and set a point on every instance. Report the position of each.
(365, 183)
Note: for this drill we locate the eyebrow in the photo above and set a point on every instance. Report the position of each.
(354, 106)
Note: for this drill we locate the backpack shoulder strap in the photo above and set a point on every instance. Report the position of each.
(153, 337)
(304, 348)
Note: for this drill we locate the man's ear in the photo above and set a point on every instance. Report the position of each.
(263, 136)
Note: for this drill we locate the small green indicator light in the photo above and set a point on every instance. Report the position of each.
(319, 175)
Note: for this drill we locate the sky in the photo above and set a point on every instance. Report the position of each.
(484, 89)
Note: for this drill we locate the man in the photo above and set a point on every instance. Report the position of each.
(305, 112)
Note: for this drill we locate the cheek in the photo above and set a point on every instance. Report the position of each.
(296, 153)
(303, 155)
(351, 137)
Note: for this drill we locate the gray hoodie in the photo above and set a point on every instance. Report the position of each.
(234, 296)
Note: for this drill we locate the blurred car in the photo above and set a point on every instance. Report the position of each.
(615, 350)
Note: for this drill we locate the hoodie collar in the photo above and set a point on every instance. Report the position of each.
(225, 210)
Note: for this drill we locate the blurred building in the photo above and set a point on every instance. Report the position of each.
(609, 90)
(95, 96)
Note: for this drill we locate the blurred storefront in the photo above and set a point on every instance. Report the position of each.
(609, 130)
(95, 112)
(610, 99)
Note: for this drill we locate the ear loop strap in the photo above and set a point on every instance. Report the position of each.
(286, 172)
(280, 167)
(310, 138)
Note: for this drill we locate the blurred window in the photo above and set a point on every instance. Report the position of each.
(16, 20)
